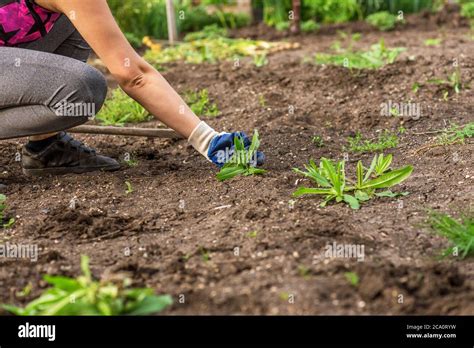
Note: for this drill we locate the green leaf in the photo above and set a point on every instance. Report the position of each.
(63, 283)
(312, 191)
(352, 201)
(362, 196)
(314, 175)
(151, 304)
(391, 194)
(230, 172)
(254, 171)
(255, 144)
(360, 174)
(389, 179)
(85, 267)
(13, 309)
(371, 168)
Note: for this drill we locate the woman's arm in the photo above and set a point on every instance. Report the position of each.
(94, 20)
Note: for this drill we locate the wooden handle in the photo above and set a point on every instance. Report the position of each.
(127, 131)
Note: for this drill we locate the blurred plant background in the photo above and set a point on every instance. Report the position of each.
(141, 18)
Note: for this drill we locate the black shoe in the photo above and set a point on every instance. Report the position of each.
(63, 156)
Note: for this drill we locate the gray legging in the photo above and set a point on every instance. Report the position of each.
(41, 80)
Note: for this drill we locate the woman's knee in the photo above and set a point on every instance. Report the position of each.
(96, 86)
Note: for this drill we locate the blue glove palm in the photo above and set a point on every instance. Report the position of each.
(221, 149)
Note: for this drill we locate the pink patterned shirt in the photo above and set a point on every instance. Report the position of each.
(23, 21)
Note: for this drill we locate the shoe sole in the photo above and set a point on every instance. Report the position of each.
(68, 170)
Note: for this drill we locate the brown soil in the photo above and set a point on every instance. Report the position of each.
(168, 242)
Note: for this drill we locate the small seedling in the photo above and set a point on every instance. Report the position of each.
(330, 179)
(3, 206)
(25, 291)
(205, 255)
(304, 271)
(460, 233)
(450, 136)
(317, 141)
(200, 104)
(386, 140)
(131, 162)
(260, 60)
(456, 134)
(243, 161)
(129, 188)
(262, 101)
(252, 234)
(433, 42)
(85, 296)
(415, 87)
(352, 278)
(453, 82)
(382, 20)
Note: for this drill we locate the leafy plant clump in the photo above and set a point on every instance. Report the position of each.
(200, 103)
(331, 182)
(213, 50)
(378, 56)
(385, 140)
(3, 206)
(460, 232)
(383, 20)
(467, 10)
(84, 296)
(243, 161)
(120, 109)
(309, 26)
(209, 32)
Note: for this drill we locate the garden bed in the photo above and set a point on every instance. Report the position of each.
(246, 245)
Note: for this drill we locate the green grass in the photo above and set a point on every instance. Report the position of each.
(456, 134)
(242, 161)
(459, 232)
(200, 103)
(120, 109)
(385, 140)
(378, 56)
(3, 206)
(332, 183)
(382, 20)
(85, 296)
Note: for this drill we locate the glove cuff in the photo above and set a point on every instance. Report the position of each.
(201, 137)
